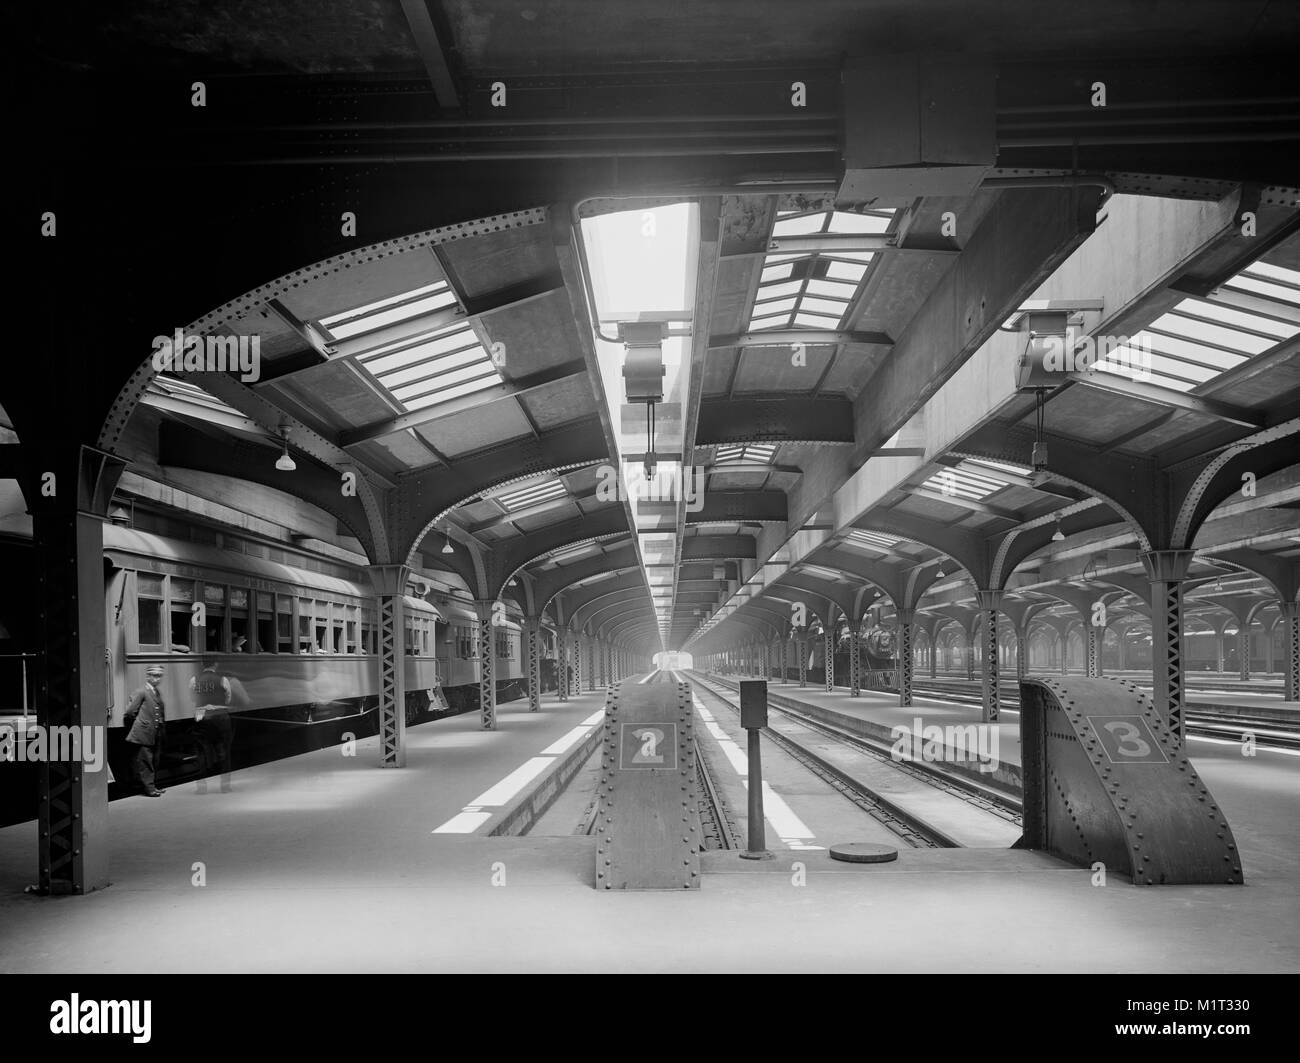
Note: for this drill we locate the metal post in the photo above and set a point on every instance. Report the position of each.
(906, 622)
(487, 687)
(1166, 570)
(1290, 620)
(562, 665)
(389, 582)
(532, 629)
(753, 718)
(988, 602)
(855, 660)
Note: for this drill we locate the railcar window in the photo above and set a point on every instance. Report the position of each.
(284, 623)
(265, 623)
(351, 630)
(337, 627)
(505, 646)
(239, 642)
(321, 628)
(367, 631)
(214, 600)
(149, 609)
(305, 617)
(180, 594)
(466, 642)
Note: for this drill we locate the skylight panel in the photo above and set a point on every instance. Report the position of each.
(876, 540)
(845, 271)
(816, 321)
(779, 291)
(532, 496)
(746, 454)
(961, 483)
(447, 366)
(873, 223)
(1260, 285)
(799, 225)
(822, 282)
(833, 289)
(775, 306)
(822, 306)
(1199, 339)
(416, 303)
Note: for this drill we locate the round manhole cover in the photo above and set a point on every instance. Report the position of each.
(863, 853)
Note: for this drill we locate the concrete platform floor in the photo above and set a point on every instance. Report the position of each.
(321, 864)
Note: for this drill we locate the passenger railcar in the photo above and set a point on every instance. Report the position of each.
(298, 645)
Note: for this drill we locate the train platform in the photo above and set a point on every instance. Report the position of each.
(1219, 693)
(322, 863)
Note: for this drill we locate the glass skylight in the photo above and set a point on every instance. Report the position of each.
(860, 537)
(444, 366)
(814, 289)
(416, 303)
(1201, 338)
(532, 496)
(745, 454)
(963, 482)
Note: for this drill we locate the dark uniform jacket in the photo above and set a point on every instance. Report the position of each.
(146, 705)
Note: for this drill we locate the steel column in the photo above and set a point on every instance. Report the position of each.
(68, 540)
(828, 649)
(906, 624)
(533, 632)
(1092, 646)
(1243, 649)
(1166, 570)
(389, 582)
(855, 661)
(487, 687)
(988, 603)
(1290, 620)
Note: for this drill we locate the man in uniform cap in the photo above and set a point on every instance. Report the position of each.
(145, 713)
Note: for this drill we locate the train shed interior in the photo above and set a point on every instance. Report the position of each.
(453, 418)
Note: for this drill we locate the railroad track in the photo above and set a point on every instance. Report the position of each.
(910, 828)
(1269, 733)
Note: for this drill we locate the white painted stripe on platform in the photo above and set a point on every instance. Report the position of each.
(567, 742)
(464, 823)
(648, 677)
(513, 783)
(470, 818)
